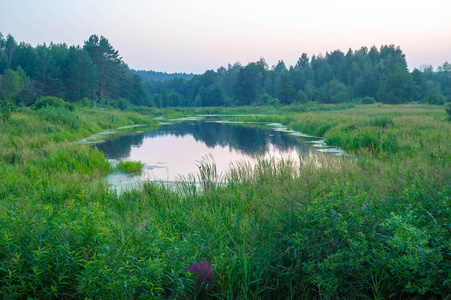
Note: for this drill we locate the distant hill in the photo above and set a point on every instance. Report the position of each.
(157, 76)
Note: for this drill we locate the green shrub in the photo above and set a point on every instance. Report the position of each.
(48, 101)
(264, 99)
(70, 106)
(368, 100)
(435, 97)
(6, 109)
(350, 247)
(86, 102)
(122, 104)
(274, 102)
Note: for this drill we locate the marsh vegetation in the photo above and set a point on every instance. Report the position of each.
(374, 224)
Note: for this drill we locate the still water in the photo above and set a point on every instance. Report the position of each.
(172, 152)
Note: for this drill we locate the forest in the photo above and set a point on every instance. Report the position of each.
(95, 73)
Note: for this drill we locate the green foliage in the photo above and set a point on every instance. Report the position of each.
(264, 99)
(435, 97)
(130, 166)
(70, 106)
(448, 111)
(48, 101)
(355, 138)
(301, 97)
(96, 70)
(71, 73)
(368, 226)
(11, 84)
(315, 124)
(121, 103)
(333, 92)
(397, 85)
(335, 78)
(59, 115)
(287, 92)
(381, 121)
(368, 100)
(384, 253)
(6, 110)
(86, 102)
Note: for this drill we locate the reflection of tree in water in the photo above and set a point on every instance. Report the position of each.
(121, 146)
(252, 141)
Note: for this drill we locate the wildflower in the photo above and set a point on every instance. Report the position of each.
(351, 128)
(204, 273)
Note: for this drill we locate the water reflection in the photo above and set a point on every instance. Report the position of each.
(174, 150)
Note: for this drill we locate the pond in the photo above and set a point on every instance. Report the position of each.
(174, 151)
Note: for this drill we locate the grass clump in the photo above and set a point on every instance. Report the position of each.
(130, 166)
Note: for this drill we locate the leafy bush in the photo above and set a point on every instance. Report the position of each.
(120, 103)
(348, 246)
(48, 101)
(435, 97)
(368, 100)
(70, 106)
(86, 102)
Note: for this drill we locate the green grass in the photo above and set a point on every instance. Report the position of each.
(376, 225)
(130, 166)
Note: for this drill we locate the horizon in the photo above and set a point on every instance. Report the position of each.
(195, 36)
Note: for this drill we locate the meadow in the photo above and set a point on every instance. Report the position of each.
(371, 224)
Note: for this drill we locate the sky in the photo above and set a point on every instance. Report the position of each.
(193, 36)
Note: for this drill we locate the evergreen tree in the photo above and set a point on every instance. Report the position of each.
(81, 75)
(2, 53)
(249, 84)
(10, 46)
(444, 77)
(108, 64)
(287, 92)
(47, 72)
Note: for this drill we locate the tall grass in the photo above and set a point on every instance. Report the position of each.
(375, 226)
(130, 166)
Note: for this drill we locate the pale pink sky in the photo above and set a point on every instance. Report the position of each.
(197, 35)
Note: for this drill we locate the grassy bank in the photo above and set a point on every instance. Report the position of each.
(373, 227)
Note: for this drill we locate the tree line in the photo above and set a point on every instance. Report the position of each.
(96, 73)
(156, 76)
(364, 76)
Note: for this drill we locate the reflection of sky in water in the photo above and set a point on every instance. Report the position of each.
(171, 151)
(173, 156)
